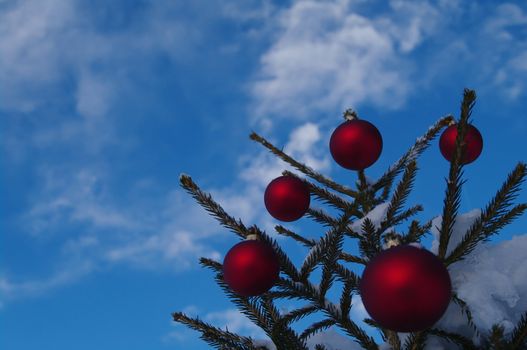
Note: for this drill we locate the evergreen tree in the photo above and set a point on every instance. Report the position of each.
(326, 252)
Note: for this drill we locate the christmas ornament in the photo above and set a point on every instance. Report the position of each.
(356, 144)
(251, 268)
(405, 288)
(473, 140)
(287, 198)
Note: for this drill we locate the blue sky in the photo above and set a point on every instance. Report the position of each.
(104, 104)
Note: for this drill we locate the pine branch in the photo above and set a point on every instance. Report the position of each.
(216, 337)
(415, 232)
(399, 218)
(351, 234)
(366, 196)
(303, 168)
(329, 265)
(347, 276)
(371, 322)
(249, 306)
(288, 233)
(317, 327)
(321, 217)
(387, 335)
(370, 244)
(421, 143)
(206, 201)
(503, 220)
(306, 290)
(415, 341)
(313, 258)
(519, 334)
(345, 299)
(464, 342)
(326, 250)
(496, 339)
(297, 314)
(360, 336)
(282, 335)
(259, 310)
(393, 340)
(212, 264)
(335, 241)
(309, 243)
(450, 209)
(465, 310)
(352, 258)
(286, 264)
(494, 217)
(402, 191)
(327, 197)
(454, 182)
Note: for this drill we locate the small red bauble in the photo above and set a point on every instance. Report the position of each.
(251, 268)
(356, 144)
(405, 289)
(287, 198)
(473, 140)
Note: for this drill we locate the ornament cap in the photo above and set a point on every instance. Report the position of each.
(391, 239)
(350, 114)
(251, 237)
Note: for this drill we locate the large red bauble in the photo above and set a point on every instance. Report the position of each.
(251, 268)
(405, 289)
(287, 198)
(355, 144)
(473, 140)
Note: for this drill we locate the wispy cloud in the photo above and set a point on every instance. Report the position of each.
(149, 232)
(330, 55)
(11, 289)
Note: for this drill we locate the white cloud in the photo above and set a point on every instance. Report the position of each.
(29, 55)
(93, 96)
(328, 55)
(78, 196)
(505, 27)
(58, 41)
(180, 249)
(73, 271)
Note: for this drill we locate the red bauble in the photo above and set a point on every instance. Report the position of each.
(473, 140)
(251, 268)
(356, 144)
(287, 198)
(405, 289)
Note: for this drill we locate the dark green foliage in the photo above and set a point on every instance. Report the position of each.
(325, 252)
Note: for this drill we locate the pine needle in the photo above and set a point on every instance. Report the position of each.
(519, 334)
(386, 180)
(303, 168)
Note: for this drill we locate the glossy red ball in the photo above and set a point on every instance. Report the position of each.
(251, 268)
(473, 140)
(405, 288)
(356, 144)
(287, 198)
